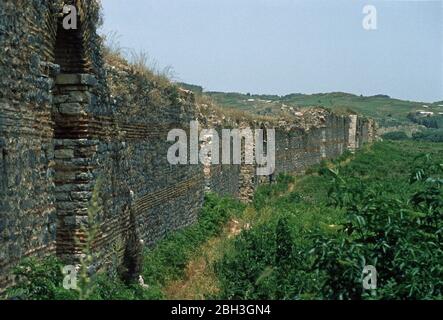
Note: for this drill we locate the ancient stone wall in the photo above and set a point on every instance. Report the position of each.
(74, 123)
(28, 37)
(222, 179)
(299, 143)
(299, 148)
(67, 121)
(166, 197)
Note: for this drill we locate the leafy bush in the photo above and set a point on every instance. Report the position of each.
(43, 279)
(396, 135)
(435, 122)
(381, 216)
(402, 238)
(429, 135)
(39, 280)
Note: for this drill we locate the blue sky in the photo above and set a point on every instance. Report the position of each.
(289, 46)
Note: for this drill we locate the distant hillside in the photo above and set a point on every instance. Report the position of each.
(191, 87)
(387, 111)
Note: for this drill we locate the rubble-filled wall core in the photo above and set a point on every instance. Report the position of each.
(73, 123)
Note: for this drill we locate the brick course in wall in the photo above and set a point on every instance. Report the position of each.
(69, 118)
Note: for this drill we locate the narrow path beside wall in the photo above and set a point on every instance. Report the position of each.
(200, 281)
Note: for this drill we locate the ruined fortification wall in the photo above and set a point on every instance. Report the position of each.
(73, 123)
(166, 197)
(361, 131)
(324, 137)
(219, 178)
(300, 142)
(67, 120)
(28, 37)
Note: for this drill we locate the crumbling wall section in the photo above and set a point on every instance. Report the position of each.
(220, 178)
(300, 142)
(324, 136)
(165, 197)
(60, 136)
(28, 40)
(73, 125)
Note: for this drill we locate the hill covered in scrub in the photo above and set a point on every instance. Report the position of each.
(387, 111)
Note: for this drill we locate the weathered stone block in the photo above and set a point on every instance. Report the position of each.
(84, 176)
(67, 79)
(80, 96)
(75, 221)
(71, 109)
(81, 196)
(76, 79)
(64, 176)
(62, 196)
(64, 154)
(68, 206)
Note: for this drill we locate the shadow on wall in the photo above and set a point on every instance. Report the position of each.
(60, 133)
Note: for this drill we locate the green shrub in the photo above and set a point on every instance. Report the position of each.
(396, 135)
(384, 209)
(429, 136)
(39, 280)
(167, 261)
(401, 238)
(435, 122)
(43, 279)
(267, 262)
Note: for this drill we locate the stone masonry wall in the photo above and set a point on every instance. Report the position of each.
(298, 149)
(166, 197)
(74, 123)
(68, 121)
(28, 33)
(318, 135)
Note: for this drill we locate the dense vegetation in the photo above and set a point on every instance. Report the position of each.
(434, 122)
(305, 238)
(396, 135)
(429, 135)
(43, 280)
(383, 209)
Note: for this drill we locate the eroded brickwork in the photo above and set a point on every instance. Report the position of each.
(73, 122)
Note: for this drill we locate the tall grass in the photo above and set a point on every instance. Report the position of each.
(139, 61)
